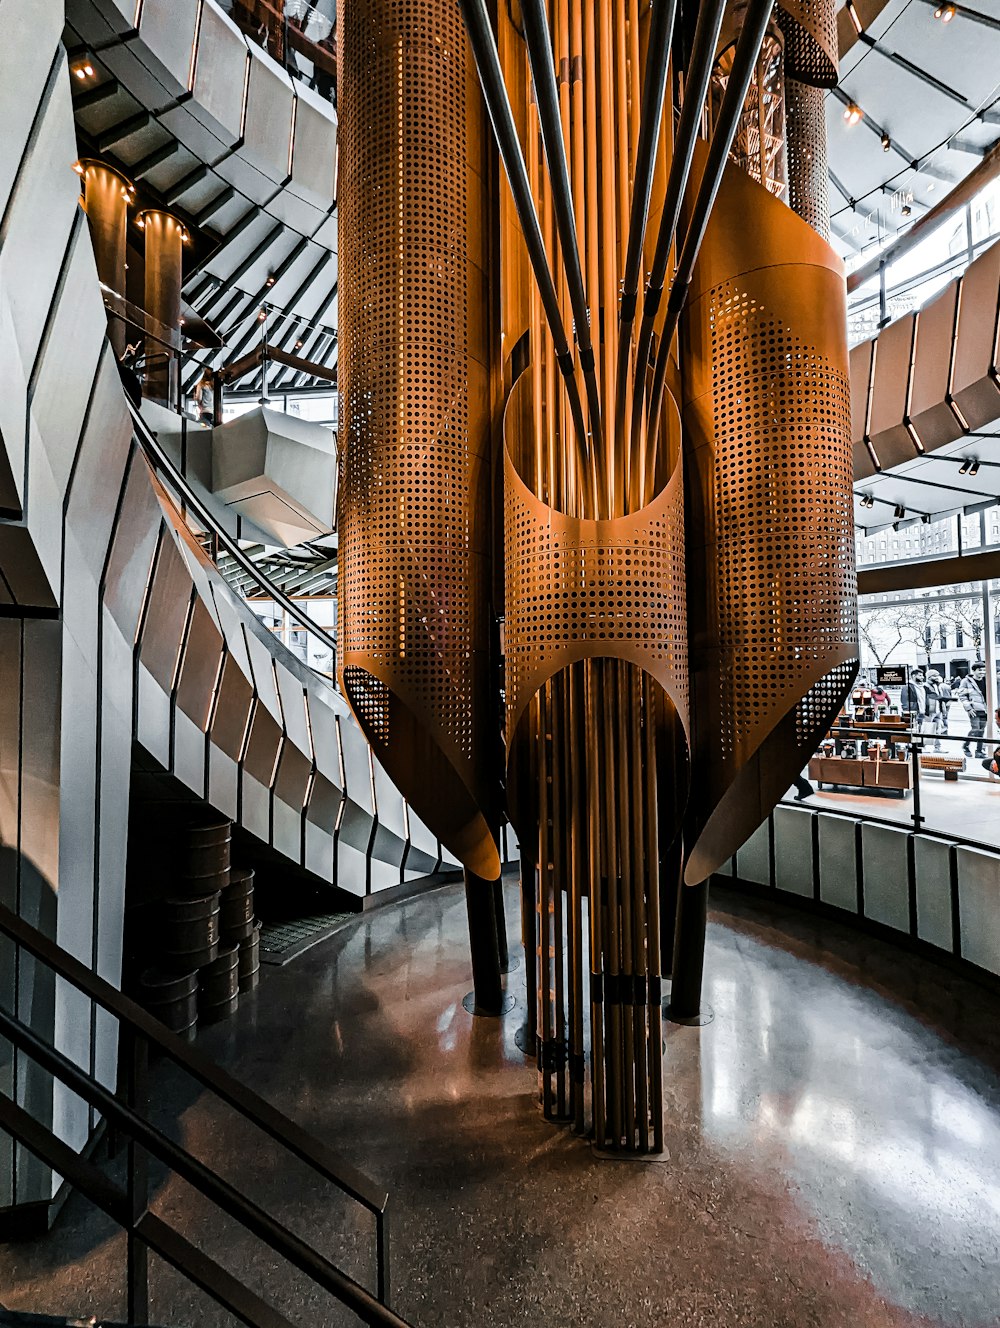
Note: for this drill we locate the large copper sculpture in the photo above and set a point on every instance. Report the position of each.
(678, 577)
(414, 381)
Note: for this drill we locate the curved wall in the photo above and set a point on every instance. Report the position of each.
(117, 635)
(937, 892)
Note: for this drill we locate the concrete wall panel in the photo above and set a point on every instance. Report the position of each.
(886, 880)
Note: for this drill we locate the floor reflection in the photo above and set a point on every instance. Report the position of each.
(833, 1144)
(889, 1135)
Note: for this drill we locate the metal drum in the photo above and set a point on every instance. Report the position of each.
(218, 986)
(172, 998)
(204, 856)
(249, 965)
(190, 932)
(236, 916)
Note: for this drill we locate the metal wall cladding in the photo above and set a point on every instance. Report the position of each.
(808, 167)
(773, 594)
(930, 376)
(413, 507)
(581, 589)
(809, 28)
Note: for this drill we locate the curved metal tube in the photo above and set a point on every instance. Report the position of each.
(487, 60)
(744, 61)
(706, 36)
(661, 26)
(543, 75)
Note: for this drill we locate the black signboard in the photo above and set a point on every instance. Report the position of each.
(892, 675)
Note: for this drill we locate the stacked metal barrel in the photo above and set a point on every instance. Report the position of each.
(203, 942)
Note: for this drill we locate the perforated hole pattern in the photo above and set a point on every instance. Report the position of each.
(408, 605)
(784, 522)
(808, 171)
(575, 590)
(810, 31)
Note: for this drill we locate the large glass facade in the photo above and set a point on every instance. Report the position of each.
(909, 281)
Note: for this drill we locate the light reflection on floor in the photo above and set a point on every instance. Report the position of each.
(833, 1144)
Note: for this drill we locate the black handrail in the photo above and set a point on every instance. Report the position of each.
(156, 1234)
(164, 467)
(143, 1028)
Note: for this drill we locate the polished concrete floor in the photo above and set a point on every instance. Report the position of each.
(833, 1145)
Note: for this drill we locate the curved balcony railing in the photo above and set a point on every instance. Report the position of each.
(301, 36)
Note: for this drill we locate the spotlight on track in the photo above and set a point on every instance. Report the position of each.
(900, 512)
(853, 113)
(964, 467)
(886, 142)
(867, 501)
(974, 469)
(926, 519)
(945, 13)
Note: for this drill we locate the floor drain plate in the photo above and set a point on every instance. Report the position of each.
(283, 941)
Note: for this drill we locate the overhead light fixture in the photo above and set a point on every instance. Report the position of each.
(83, 70)
(945, 13)
(270, 280)
(905, 210)
(900, 512)
(867, 501)
(853, 113)
(974, 469)
(853, 15)
(926, 519)
(964, 467)
(886, 142)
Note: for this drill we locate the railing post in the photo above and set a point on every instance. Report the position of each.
(382, 1255)
(883, 316)
(136, 1050)
(916, 745)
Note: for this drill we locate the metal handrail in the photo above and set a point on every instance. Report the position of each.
(142, 1026)
(164, 466)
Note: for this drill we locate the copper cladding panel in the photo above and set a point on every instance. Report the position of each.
(808, 166)
(580, 589)
(811, 48)
(772, 586)
(413, 515)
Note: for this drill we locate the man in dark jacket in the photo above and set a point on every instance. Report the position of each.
(972, 694)
(913, 698)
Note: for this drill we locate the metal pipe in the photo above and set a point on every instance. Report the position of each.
(543, 75)
(706, 37)
(748, 46)
(483, 945)
(661, 25)
(487, 60)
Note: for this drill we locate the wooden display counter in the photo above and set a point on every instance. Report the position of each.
(860, 772)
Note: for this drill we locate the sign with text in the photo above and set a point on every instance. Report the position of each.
(891, 675)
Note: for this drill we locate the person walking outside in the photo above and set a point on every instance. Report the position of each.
(913, 698)
(938, 701)
(972, 694)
